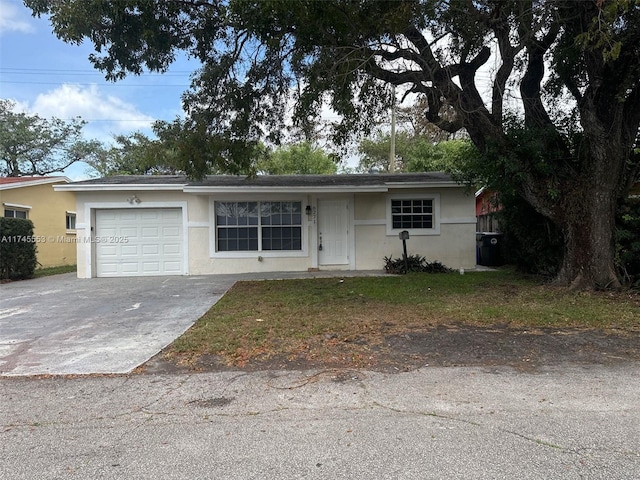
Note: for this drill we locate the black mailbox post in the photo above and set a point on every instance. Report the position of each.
(404, 236)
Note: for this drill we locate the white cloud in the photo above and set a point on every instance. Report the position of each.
(106, 114)
(14, 19)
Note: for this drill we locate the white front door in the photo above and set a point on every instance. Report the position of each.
(139, 242)
(333, 232)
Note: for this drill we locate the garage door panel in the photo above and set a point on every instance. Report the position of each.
(129, 250)
(172, 267)
(171, 249)
(154, 243)
(150, 232)
(150, 250)
(151, 268)
(129, 232)
(108, 250)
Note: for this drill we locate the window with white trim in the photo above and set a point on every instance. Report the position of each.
(258, 226)
(418, 214)
(16, 213)
(71, 221)
(412, 213)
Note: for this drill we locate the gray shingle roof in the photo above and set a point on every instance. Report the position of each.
(273, 180)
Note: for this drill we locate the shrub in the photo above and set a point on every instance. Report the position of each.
(532, 242)
(628, 242)
(415, 263)
(17, 248)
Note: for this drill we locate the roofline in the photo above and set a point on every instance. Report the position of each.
(33, 183)
(102, 187)
(185, 187)
(285, 189)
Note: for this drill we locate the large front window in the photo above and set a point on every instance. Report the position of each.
(258, 226)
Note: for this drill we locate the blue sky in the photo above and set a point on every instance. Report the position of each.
(46, 76)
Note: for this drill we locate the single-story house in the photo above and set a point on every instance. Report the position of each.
(168, 225)
(53, 215)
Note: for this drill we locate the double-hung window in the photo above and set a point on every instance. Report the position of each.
(258, 226)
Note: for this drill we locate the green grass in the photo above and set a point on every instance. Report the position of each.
(45, 272)
(286, 317)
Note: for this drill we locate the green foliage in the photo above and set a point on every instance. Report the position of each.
(628, 241)
(196, 150)
(301, 159)
(31, 145)
(17, 248)
(414, 263)
(415, 153)
(135, 154)
(532, 242)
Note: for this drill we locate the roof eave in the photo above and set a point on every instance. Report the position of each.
(285, 189)
(33, 183)
(101, 187)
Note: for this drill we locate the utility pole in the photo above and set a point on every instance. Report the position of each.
(392, 142)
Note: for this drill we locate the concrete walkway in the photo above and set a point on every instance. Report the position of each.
(65, 325)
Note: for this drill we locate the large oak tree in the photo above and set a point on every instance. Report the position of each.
(548, 90)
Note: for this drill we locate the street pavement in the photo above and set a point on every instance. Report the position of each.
(561, 422)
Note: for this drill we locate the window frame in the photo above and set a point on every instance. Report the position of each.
(14, 207)
(68, 215)
(260, 252)
(435, 224)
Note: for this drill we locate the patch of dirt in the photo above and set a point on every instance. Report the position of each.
(442, 345)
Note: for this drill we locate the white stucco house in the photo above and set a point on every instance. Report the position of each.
(169, 225)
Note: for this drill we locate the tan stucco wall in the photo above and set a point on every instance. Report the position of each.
(48, 211)
(369, 239)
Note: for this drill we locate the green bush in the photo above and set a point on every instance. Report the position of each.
(628, 242)
(415, 263)
(17, 248)
(532, 242)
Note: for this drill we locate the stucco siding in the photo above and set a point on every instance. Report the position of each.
(454, 245)
(48, 210)
(368, 239)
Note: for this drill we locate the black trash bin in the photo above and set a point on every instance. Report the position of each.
(489, 249)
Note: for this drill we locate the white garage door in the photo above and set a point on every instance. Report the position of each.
(139, 242)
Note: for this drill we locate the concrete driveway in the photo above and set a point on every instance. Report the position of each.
(65, 325)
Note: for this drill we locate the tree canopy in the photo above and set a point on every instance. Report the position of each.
(300, 159)
(32, 145)
(548, 90)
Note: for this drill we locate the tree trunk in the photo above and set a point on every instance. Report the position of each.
(589, 253)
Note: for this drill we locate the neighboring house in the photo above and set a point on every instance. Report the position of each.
(486, 208)
(53, 215)
(167, 225)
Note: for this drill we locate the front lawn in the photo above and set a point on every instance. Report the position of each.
(315, 318)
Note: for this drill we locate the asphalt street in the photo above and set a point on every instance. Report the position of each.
(565, 422)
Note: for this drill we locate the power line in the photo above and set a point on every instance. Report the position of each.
(99, 84)
(70, 72)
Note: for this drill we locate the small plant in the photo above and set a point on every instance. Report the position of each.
(415, 263)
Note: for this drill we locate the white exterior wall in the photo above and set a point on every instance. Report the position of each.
(88, 202)
(454, 245)
(369, 238)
